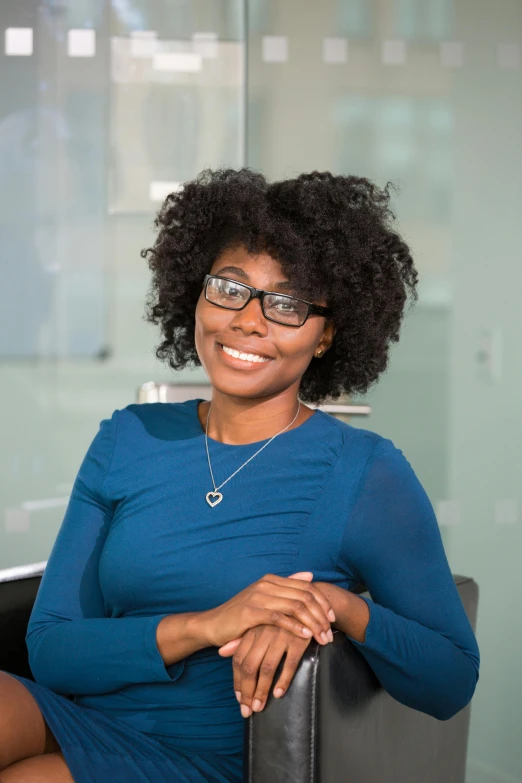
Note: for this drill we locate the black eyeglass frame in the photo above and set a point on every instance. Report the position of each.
(259, 293)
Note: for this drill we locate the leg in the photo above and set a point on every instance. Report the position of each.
(50, 768)
(23, 730)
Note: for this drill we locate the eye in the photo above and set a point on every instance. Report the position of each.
(232, 290)
(286, 306)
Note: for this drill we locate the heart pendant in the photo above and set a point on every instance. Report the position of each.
(217, 495)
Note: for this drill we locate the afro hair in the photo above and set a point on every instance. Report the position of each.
(333, 238)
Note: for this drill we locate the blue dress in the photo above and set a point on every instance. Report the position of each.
(139, 542)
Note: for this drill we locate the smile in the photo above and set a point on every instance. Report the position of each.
(247, 358)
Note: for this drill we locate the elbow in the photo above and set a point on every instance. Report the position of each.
(461, 698)
(41, 672)
(40, 663)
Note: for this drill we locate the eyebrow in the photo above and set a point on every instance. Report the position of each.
(236, 270)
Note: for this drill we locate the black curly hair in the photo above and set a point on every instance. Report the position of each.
(333, 239)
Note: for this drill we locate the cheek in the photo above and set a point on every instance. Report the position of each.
(209, 319)
(301, 343)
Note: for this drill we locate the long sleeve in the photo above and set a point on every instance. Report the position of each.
(74, 648)
(419, 641)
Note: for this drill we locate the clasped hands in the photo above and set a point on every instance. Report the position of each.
(259, 650)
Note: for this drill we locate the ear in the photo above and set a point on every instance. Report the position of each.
(327, 337)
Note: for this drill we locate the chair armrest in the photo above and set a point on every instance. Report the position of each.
(336, 722)
(16, 604)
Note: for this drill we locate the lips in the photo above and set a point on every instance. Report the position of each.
(246, 350)
(241, 365)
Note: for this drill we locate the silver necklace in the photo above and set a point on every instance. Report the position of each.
(215, 497)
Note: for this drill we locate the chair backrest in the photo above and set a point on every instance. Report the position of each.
(18, 589)
(179, 392)
(337, 723)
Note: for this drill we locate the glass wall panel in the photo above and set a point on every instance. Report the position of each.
(428, 94)
(104, 108)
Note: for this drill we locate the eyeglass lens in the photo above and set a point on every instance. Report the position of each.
(232, 295)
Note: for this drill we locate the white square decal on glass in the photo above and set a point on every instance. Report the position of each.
(394, 52)
(16, 520)
(19, 41)
(275, 48)
(143, 43)
(158, 191)
(206, 45)
(186, 62)
(81, 43)
(508, 55)
(451, 54)
(335, 50)
(448, 512)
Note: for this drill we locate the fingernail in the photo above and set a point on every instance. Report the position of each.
(238, 695)
(330, 634)
(324, 637)
(331, 615)
(278, 692)
(256, 706)
(245, 711)
(307, 632)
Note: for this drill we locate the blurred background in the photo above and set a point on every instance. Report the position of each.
(105, 107)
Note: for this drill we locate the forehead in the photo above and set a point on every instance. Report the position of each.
(258, 266)
(261, 270)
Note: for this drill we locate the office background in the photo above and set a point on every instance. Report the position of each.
(107, 106)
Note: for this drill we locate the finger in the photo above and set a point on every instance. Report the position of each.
(307, 586)
(293, 657)
(298, 605)
(230, 647)
(268, 668)
(248, 640)
(308, 576)
(247, 666)
(291, 616)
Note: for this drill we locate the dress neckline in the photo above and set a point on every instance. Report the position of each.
(308, 423)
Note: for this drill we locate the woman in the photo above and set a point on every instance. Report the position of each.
(204, 539)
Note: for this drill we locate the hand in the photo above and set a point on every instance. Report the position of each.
(257, 655)
(295, 605)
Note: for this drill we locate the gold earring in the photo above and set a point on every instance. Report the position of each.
(319, 354)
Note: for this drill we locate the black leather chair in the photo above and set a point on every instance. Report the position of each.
(335, 723)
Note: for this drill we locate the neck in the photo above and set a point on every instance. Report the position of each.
(241, 420)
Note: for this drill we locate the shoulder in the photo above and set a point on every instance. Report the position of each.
(147, 415)
(157, 420)
(366, 453)
(364, 442)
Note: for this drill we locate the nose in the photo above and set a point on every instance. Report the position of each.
(251, 315)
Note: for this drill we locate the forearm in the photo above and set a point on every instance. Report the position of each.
(180, 635)
(353, 616)
(351, 612)
(417, 666)
(102, 655)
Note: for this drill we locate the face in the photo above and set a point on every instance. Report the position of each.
(288, 349)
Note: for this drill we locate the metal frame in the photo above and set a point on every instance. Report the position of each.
(180, 392)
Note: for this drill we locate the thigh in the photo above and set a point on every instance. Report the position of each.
(23, 730)
(50, 768)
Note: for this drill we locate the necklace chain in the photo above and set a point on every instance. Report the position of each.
(245, 463)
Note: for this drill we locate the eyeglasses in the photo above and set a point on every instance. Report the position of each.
(280, 308)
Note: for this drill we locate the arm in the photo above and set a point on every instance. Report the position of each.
(352, 614)
(73, 646)
(418, 639)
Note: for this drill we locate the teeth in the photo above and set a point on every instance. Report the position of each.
(249, 357)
